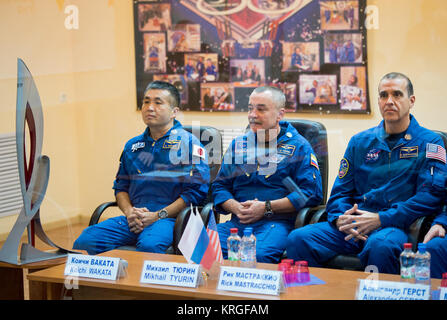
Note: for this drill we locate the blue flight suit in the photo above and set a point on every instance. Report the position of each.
(401, 185)
(154, 174)
(249, 172)
(438, 249)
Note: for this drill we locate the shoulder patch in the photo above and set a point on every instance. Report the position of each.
(344, 168)
(435, 151)
(198, 151)
(314, 161)
(137, 146)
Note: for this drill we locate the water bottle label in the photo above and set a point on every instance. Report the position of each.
(407, 273)
(233, 256)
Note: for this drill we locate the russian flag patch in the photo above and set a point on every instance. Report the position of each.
(314, 161)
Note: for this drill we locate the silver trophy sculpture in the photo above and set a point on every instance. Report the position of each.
(33, 176)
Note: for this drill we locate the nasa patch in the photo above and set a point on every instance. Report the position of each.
(344, 168)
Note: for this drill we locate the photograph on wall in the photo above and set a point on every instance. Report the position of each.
(154, 52)
(178, 81)
(301, 56)
(201, 67)
(184, 38)
(289, 90)
(247, 72)
(246, 44)
(353, 88)
(217, 97)
(343, 48)
(154, 17)
(339, 15)
(317, 89)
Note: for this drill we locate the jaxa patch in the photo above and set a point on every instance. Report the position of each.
(286, 149)
(372, 155)
(314, 161)
(171, 144)
(344, 168)
(137, 146)
(409, 152)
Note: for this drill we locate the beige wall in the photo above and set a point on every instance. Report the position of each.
(86, 80)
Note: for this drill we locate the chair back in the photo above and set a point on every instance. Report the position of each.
(211, 139)
(315, 132)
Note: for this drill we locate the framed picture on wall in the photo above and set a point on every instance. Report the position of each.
(217, 97)
(201, 66)
(247, 72)
(317, 89)
(154, 52)
(301, 56)
(343, 48)
(154, 17)
(352, 88)
(309, 48)
(184, 38)
(339, 15)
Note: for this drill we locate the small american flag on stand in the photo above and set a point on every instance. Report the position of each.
(214, 237)
(435, 151)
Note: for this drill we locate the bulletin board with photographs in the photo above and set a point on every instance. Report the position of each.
(217, 51)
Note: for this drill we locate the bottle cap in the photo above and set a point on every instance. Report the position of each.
(421, 247)
(233, 230)
(248, 231)
(287, 261)
(408, 246)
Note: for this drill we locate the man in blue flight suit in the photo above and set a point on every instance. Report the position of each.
(390, 175)
(161, 172)
(250, 181)
(436, 243)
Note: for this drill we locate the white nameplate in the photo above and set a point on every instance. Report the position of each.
(390, 290)
(170, 273)
(442, 293)
(250, 280)
(92, 266)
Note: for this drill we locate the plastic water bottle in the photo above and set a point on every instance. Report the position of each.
(248, 249)
(233, 245)
(422, 265)
(407, 264)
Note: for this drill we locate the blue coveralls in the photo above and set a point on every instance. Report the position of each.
(400, 185)
(438, 249)
(154, 174)
(249, 172)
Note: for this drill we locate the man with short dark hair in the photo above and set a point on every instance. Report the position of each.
(390, 175)
(161, 172)
(250, 181)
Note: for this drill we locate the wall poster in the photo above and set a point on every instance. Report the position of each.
(217, 51)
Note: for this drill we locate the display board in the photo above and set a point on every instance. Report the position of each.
(217, 51)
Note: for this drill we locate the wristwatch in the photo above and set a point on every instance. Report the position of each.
(268, 213)
(163, 213)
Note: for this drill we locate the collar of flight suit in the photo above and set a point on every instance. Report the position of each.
(411, 133)
(177, 125)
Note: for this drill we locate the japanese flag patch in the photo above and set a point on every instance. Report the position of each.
(198, 151)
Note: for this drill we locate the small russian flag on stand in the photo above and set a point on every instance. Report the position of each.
(195, 242)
